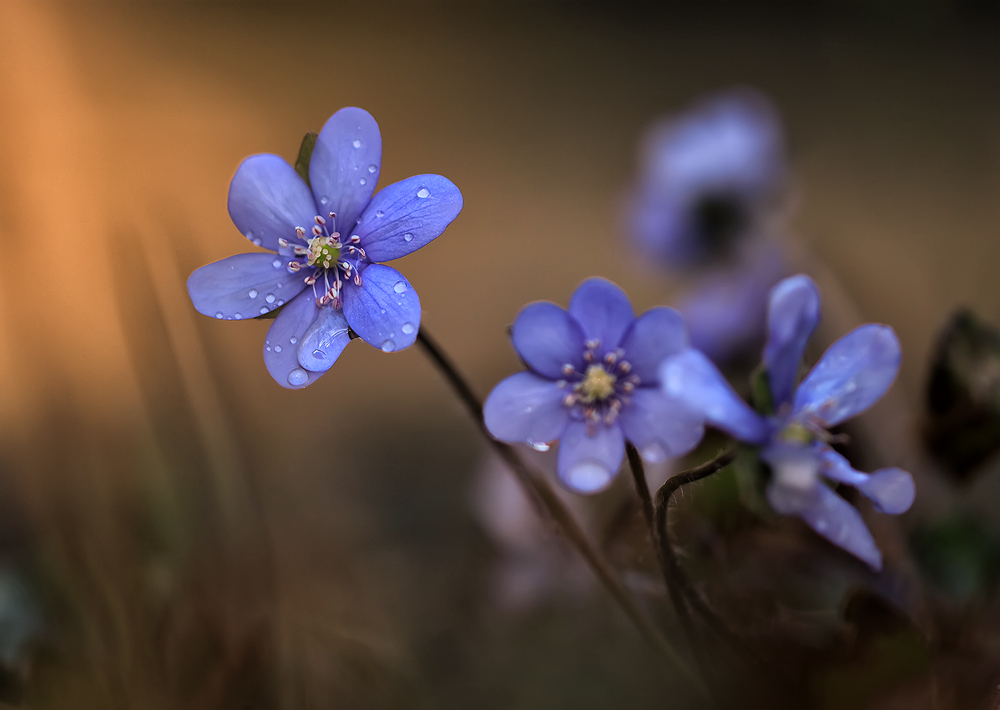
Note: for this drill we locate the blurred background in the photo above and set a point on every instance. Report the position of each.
(177, 531)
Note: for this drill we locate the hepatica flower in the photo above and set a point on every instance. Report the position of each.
(852, 375)
(707, 178)
(592, 382)
(326, 241)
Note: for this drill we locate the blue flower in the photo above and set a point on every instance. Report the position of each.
(708, 179)
(327, 240)
(592, 382)
(851, 376)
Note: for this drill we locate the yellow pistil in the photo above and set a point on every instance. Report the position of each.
(797, 434)
(323, 252)
(597, 385)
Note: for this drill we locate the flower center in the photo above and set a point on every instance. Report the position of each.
(796, 433)
(323, 252)
(597, 385)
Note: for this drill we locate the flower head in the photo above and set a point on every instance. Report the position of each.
(326, 241)
(851, 376)
(707, 179)
(592, 382)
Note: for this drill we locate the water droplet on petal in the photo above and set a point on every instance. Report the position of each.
(654, 452)
(423, 193)
(319, 354)
(281, 303)
(588, 476)
(258, 241)
(379, 213)
(249, 234)
(263, 310)
(408, 328)
(269, 298)
(400, 287)
(383, 311)
(252, 293)
(293, 340)
(268, 348)
(388, 346)
(538, 445)
(219, 315)
(237, 316)
(276, 263)
(297, 377)
(323, 199)
(277, 348)
(363, 181)
(372, 168)
(407, 237)
(357, 143)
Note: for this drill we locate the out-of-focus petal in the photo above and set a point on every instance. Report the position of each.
(268, 200)
(323, 342)
(650, 339)
(407, 215)
(587, 464)
(851, 376)
(526, 408)
(840, 523)
(281, 347)
(691, 378)
(243, 286)
(792, 315)
(660, 427)
(547, 337)
(604, 312)
(384, 310)
(345, 166)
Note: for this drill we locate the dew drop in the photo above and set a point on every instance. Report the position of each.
(324, 199)
(423, 193)
(379, 213)
(372, 168)
(237, 316)
(407, 237)
(258, 241)
(263, 310)
(277, 348)
(363, 181)
(249, 234)
(357, 143)
(388, 346)
(276, 263)
(293, 340)
(400, 287)
(383, 311)
(252, 293)
(219, 315)
(408, 328)
(297, 377)
(268, 348)
(319, 354)
(267, 342)
(281, 303)
(269, 298)
(280, 285)
(538, 445)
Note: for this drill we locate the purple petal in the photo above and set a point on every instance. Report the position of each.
(243, 286)
(407, 215)
(323, 342)
(587, 464)
(840, 523)
(384, 310)
(604, 312)
(890, 490)
(794, 477)
(650, 339)
(660, 427)
(547, 338)
(691, 378)
(281, 347)
(268, 200)
(792, 315)
(345, 166)
(851, 376)
(526, 408)
(839, 469)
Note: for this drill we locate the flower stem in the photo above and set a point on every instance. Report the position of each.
(540, 491)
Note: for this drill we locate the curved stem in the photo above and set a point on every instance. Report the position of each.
(672, 571)
(543, 495)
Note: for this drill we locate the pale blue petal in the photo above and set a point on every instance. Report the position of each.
(851, 376)
(345, 166)
(407, 215)
(691, 378)
(243, 286)
(268, 200)
(840, 523)
(587, 464)
(526, 408)
(281, 347)
(650, 339)
(890, 490)
(384, 310)
(792, 315)
(323, 342)
(660, 427)
(604, 312)
(547, 338)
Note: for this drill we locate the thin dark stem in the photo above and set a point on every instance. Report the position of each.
(673, 573)
(641, 485)
(539, 490)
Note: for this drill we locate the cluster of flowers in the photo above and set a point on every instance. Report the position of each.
(597, 376)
